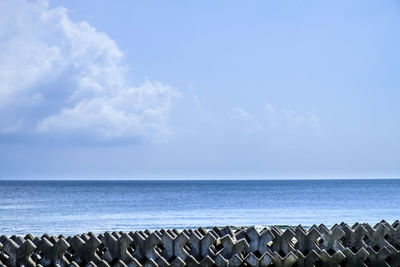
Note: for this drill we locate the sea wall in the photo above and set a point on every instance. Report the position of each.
(340, 245)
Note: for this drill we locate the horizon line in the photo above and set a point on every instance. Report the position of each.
(200, 179)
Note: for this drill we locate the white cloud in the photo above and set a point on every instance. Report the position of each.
(292, 118)
(63, 77)
(251, 124)
(276, 120)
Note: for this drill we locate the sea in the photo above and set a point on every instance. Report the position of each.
(74, 207)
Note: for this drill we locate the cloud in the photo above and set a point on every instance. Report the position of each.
(292, 118)
(276, 120)
(250, 123)
(62, 78)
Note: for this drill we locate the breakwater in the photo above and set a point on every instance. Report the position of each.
(340, 245)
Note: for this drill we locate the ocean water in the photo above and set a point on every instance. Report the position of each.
(72, 207)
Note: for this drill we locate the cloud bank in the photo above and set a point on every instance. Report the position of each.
(61, 78)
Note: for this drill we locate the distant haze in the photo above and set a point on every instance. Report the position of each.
(199, 89)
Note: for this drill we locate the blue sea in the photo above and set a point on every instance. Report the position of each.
(72, 207)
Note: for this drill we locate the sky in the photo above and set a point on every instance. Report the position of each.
(199, 89)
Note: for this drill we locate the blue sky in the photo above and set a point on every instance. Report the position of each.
(199, 90)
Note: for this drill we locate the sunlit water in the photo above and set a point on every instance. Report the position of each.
(72, 207)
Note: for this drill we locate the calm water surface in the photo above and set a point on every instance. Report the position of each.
(71, 207)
